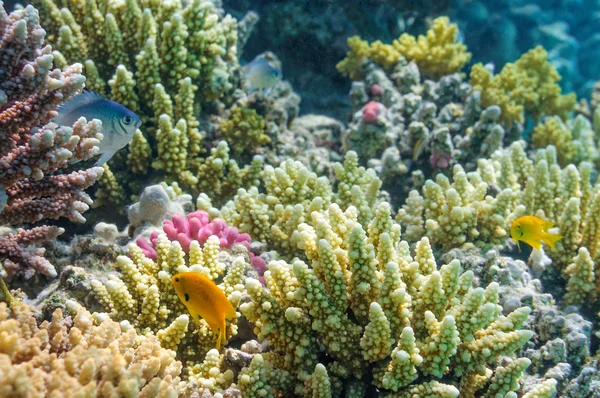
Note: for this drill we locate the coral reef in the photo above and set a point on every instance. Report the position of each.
(503, 30)
(167, 61)
(461, 211)
(396, 307)
(437, 54)
(529, 85)
(370, 258)
(33, 149)
(81, 354)
(408, 127)
(144, 296)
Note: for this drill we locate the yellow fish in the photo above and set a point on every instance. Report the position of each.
(203, 298)
(533, 231)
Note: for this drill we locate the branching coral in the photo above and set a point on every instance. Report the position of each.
(293, 192)
(463, 211)
(145, 297)
(32, 150)
(361, 287)
(405, 123)
(437, 54)
(81, 355)
(163, 60)
(530, 85)
(575, 139)
(244, 130)
(220, 176)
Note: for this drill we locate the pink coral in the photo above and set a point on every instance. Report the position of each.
(376, 90)
(20, 259)
(32, 148)
(440, 159)
(198, 226)
(371, 112)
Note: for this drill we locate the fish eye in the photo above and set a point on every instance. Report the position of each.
(176, 279)
(127, 119)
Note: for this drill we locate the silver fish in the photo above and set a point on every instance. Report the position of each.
(118, 123)
(261, 74)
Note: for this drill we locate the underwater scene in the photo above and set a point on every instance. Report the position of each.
(300, 198)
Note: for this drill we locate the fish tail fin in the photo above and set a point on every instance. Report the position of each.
(551, 239)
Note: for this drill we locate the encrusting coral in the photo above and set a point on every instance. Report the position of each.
(81, 354)
(33, 149)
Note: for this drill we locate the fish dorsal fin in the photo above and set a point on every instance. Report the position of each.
(547, 225)
(84, 98)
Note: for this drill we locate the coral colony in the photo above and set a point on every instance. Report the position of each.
(238, 248)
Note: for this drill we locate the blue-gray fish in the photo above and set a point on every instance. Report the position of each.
(118, 123)
(262, 74)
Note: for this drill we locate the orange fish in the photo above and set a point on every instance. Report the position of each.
(533, 231)
(203, 298)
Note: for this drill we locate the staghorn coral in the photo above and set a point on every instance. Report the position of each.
(33, 149)
(80, 354)
(437, 54)
(527, 86)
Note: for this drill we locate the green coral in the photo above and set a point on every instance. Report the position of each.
(466, 332)
(109, 192)
(530, 86)
(158, 59)
(437, 54)
(575, 140)
(244, 130)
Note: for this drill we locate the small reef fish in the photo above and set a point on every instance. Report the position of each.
(118, 123)
(261, 74)
(533, 231)
(203, 298)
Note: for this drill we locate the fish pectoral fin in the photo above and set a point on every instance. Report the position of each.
(231, 314)
(222, 332)
(536, 244)
(105, 157)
